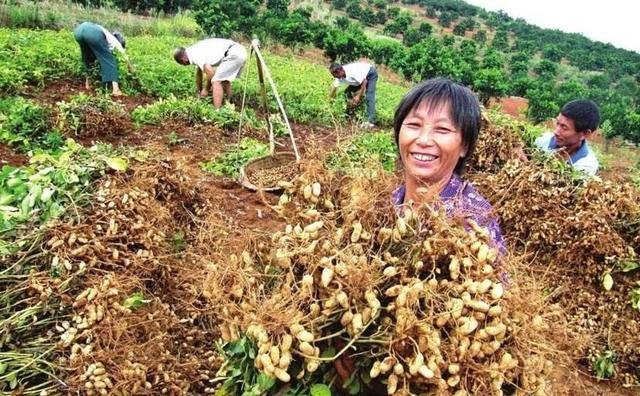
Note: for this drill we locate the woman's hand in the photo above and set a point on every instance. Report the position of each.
(204, 93)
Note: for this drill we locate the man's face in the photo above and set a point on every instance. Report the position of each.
(339, 73)
(566, 134)
(183, 60)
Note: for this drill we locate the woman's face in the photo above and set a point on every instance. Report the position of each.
(430, 145)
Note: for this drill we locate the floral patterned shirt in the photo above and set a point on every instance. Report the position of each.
(461, 198)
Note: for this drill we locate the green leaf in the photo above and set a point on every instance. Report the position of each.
(227, 389)
(13, 379)
(116, 163)
(6, 199)
(352, 385)
(607, 281)
(265, 382)
(237, 347)
(135, 301)
(3, 367)
(320, 390)
(140, 155)
(628, 266)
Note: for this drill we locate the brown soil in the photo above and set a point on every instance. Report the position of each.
(10, 157)
(515, 106)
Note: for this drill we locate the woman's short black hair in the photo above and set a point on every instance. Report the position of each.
(463, 104)
(120, 37)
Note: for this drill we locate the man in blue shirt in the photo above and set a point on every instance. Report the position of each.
(577, 120)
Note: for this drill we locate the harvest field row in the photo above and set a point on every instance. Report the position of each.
(133, 263)
(31, 58)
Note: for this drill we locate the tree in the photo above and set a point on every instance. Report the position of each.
(339, 4)
(294, 29)
(519, 64)
(411, 37)
(425, 28)
(342, 22)
(501, 41)
(527, 46)
(222, 18)
(632, 131)
(446, 18)
(570, 90)
(490, 83)
(493, 59)
(431, 58)
(546, 70)
(383, 50)
(368, 17)
(542, 104)
(480, 37)
(552, 52)
(468, 61)
(399, 25)
(448, 40)
(354, 10)
(393, 12)
(521, 85)
(278, 7)
(345, 45)
(600, 81)
(459, 30)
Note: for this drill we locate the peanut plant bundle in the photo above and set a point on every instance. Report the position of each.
(415, 298)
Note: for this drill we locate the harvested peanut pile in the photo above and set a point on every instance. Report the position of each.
(581, 232)
(269, 177)
(353, 295)
(126, 317)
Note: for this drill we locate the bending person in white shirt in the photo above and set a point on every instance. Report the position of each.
(361, 77)
(228, 56)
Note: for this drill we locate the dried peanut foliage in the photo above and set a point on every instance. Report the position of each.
(409, 303)
(124, 315)
(577, 233)
(497, 143)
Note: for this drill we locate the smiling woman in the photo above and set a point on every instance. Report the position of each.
(436, 127)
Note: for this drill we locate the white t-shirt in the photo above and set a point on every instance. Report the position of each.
(208, 52)
(584, 159)
(112, 41)
(355, 73)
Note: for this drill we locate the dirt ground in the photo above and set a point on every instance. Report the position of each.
(515, 106)
(10, 157)
(245, 212)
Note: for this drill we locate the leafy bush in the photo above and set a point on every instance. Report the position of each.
(73, 114)
(364, 149)
(26, 125)
(193, 111)
(51, 183)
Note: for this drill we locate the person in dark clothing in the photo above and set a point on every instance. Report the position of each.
(97, 43)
